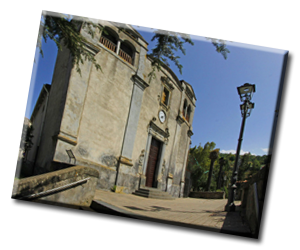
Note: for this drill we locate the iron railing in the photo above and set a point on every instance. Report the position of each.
(51, 191)
(108, 44)
(125, 56)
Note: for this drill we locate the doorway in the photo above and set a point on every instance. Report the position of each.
(153, 161)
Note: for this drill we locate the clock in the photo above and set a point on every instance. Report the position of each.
(162, 116)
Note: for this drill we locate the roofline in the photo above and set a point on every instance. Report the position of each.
(191, 88)
(170, 71)
(139, 35)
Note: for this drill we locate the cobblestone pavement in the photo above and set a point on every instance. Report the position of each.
(196, 213)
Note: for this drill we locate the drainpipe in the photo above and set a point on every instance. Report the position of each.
(42, 127)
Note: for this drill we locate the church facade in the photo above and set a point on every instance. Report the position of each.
(135, 132)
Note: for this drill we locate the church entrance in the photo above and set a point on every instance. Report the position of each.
(153, 161)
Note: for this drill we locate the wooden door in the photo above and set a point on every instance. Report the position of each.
(152, 162)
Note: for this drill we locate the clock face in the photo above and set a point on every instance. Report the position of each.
(162, 116)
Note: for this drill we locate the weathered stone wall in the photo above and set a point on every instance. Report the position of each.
(37, 120)
(181, 155)
(252, 207)
(54, 112)
(178, 139)
(79, 195)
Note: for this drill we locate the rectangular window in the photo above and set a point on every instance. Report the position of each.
(165, 97)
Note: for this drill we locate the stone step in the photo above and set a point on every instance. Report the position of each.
(156, 194)
(153, 193)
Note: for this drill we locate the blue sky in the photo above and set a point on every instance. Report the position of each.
(217, 115)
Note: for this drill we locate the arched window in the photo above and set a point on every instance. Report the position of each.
(127, 52)
(184, 108)
(188, 113)
(109, 39)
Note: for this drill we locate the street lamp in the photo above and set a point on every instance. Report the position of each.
(246, 92)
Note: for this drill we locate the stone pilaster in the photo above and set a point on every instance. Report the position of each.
(125, 160)
(75, 99)
(133, 117)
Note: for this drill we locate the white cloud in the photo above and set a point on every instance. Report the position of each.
(232, 151)
(266, 150)
(228, 151)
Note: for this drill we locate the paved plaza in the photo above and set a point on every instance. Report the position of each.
(204, 214)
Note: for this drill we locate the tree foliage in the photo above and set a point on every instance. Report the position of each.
(199, 165)
(220, 46)
(167, 44)
(64, 30)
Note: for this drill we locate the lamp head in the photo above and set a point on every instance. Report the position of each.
(246, 91)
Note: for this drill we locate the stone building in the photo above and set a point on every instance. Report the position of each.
(38, 121)
(135, 132)
(21, 135)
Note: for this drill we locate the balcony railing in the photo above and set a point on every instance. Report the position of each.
(113, 47)
(108, 44)
(125, 56)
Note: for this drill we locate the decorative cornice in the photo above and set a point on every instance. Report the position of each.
(91, 48)
(167, 82)
(189, 93)
(140, 82)
(190, 133)
(158, 130)
(180, 119)
(177, 82)
(125, 161)
(67, 138)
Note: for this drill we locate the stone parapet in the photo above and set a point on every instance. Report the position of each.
(252, 199)
(72, 186)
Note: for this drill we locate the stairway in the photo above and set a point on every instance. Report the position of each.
(153, 193)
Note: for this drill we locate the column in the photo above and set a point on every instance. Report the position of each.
(118, 47)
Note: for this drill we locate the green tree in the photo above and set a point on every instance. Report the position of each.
(64, 30)
(231, 157)
(199, 163)
(212, 156)
(220, 46)
(245, 165)
(167, 44)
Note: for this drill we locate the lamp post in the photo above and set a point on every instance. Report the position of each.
(246, 92)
